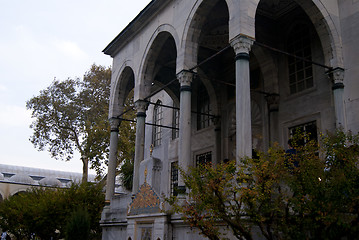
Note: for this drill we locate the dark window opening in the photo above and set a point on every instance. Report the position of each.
(300, 72)
(174, 178)
(308, 132)
(175, 123)
(157, 119)
(204, 158)
(203, 107)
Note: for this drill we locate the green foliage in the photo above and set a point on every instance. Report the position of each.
(126, 147)
(78, 226)
(45, 211)
(71, 116)
(126, 174)
(319, 199)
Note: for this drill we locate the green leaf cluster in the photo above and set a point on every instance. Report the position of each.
(72, 116)
(45, 212)
(317, 199)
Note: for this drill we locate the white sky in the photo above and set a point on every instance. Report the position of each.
(43, 39)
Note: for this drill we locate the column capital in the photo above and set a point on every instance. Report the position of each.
(272, 101)
(185, 78)
(338, 75)
(242, 44)
(114, 124)
(141, 106)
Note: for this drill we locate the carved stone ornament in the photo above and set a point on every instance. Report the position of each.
(242, 44)
(338, 75)
(146, 201)
(114, 123)
(141, 106)
(185, 78)
(273, 101)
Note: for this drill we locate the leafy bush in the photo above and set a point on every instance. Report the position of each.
(45, 211)
(78, 226)
(316, 199)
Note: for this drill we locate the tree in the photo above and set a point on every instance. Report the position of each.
(45, 212)
(72, 115)
(319, 199)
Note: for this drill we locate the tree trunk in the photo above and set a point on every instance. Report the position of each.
(85, 170)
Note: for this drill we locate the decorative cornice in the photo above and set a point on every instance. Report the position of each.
(242, 44)
(185, 78)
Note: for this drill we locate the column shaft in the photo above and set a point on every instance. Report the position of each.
(338, 92)
(184, 150)
(242, 46)
(112, 162)
(141, 107)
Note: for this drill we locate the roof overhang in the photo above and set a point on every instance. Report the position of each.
(134, 26)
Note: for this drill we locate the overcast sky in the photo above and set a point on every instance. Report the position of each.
(41, 40)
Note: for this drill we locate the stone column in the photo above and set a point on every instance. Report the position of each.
(242, 46)
(218, 136)
(141, 107)
(337, 75)
(273, 107)
(112, 162)
(184, 149)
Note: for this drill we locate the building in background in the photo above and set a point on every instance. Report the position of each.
(17, 179)
(216, 80)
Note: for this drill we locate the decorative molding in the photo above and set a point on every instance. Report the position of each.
(185, 78)
(242, 44)
(338, 75)
(145, 201)
(114, 124)
(273, 101)
(141, 106)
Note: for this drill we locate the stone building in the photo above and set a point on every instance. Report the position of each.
(215, 80)
(17, 179)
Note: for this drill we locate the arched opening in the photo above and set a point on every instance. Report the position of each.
(159, 71)
(302, 88)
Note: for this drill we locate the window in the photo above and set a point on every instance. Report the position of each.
(174, 178)
(175, 123)
(157, 120)
(203, 158)
(203, 107)
(300, 72)
(309, 131)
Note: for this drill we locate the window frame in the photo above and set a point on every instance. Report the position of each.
(157, 120)
(300, 73)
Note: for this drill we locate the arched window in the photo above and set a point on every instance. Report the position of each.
(300, 72)
(157, 120)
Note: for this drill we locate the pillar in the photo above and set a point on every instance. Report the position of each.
(242, 46)
(141, 107)
(184, 149)
(337, 75)
(273, 108)
(112, 162)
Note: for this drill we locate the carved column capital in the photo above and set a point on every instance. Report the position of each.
(273, 101)
(337, 76)
(114, 124)
(141, 106)
(242, 44)
(185, 78)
